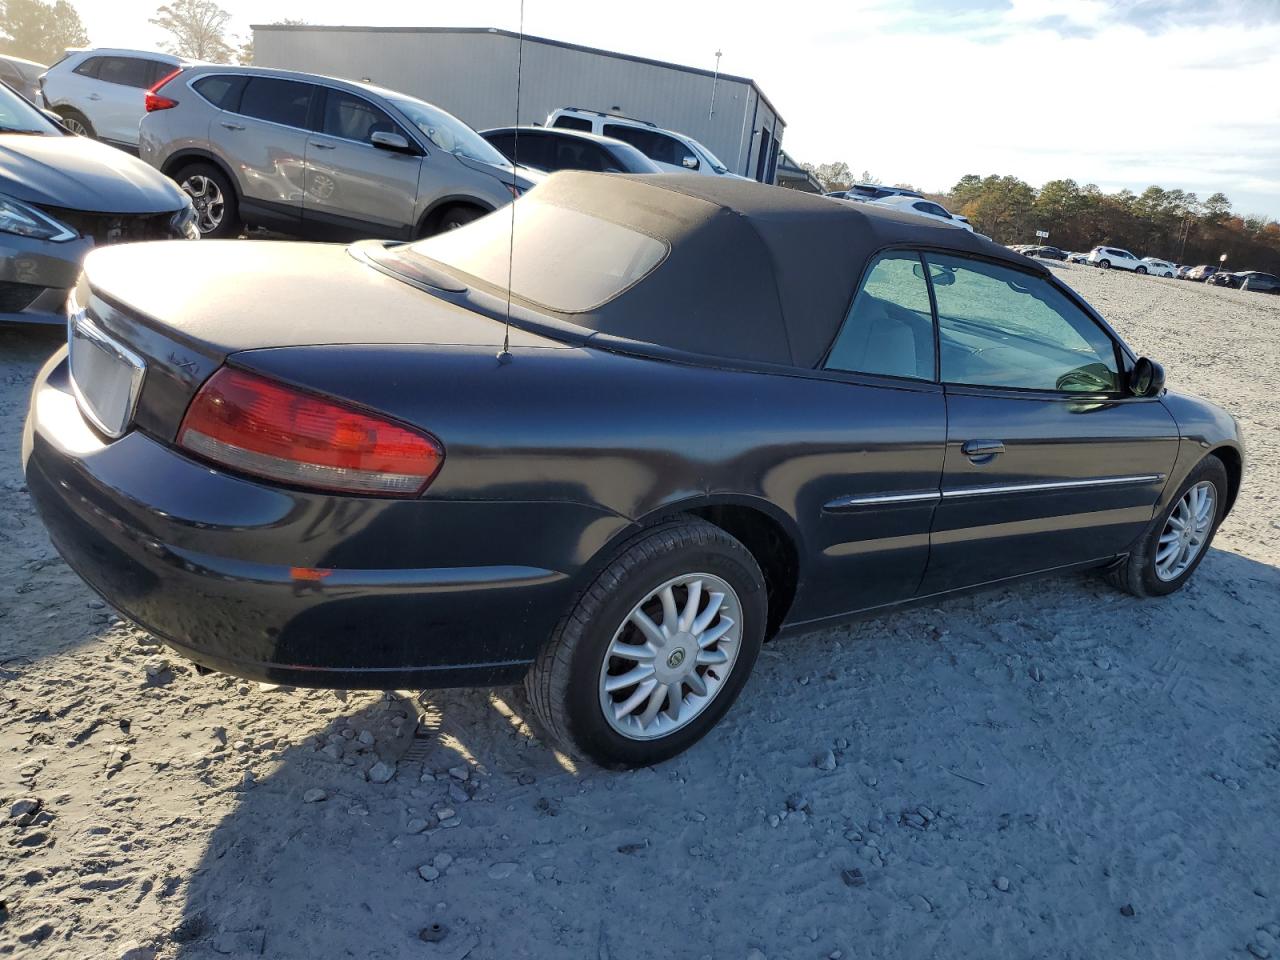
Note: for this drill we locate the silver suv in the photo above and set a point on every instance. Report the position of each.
(318, 157)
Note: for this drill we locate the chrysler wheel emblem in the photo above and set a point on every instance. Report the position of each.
(675, 659)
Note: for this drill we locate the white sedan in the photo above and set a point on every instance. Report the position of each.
(924, 208)
(1159, 268)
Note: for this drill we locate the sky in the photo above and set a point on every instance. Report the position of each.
(1121, 93)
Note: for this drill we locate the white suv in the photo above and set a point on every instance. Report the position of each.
(1108, 257)
(672, 151)
(102, 93)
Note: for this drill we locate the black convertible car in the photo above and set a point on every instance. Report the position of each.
(720, 410)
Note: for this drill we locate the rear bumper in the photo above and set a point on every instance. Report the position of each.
(305, 589)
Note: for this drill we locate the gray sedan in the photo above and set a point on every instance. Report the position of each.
(62, 195)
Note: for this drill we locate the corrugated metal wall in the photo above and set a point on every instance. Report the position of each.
(472, 74)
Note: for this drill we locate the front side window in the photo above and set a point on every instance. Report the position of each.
(354, 118)
(279, 101)
(654, 145)
(889, 329)
(999, 327)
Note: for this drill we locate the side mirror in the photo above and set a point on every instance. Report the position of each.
(54, 118)
(1146, 379)
(385, 140)
(690, 162)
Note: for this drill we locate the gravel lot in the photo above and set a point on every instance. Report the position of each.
(1046, 770)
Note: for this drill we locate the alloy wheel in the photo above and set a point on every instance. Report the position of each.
(1186, 531)
(671, 656)
(206, 197)
(75, 126)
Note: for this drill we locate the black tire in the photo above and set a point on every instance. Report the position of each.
(229, 224)
(563, 683)
(1142, 270)
(74, 118)
(1104, 264)
(451, 217)
(1136, 574)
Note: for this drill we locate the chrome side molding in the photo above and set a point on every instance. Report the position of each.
(857, 501)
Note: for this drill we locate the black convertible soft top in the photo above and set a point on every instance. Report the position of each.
(752, 272)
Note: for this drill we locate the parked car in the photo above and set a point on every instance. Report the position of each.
(1201, 273)
(924, 208)
(1182, 271)
(285, 494)
(551, 149)
(1077, 258)
(61, 196)
(1224, 279)
(319, 157)
(22, 75)
(101, 92)
(672, 151)
(1045, 253)
(1159, 268)
(1120, 259)
(1258, 282)
(871, 191)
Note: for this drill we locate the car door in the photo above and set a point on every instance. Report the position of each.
(119, 97)
(876, 498)
(265, 143)
(1048, 461)
(352, 184)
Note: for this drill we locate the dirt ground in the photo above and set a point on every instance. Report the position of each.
(1051, 769)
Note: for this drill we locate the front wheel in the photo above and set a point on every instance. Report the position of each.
(656, 649)
(1104, 264)
(214, 198)
(1179, 537)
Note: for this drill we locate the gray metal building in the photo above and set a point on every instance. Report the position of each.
(471, 72)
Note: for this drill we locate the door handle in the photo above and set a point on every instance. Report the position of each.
(323, 146)
(231, 126)
(982, 451)
(95, 96)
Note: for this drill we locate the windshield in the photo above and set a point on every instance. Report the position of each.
(711, 158)
(19, 116)
(449, 133)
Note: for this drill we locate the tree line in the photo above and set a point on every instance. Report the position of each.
(1170, 224)
(43, 31)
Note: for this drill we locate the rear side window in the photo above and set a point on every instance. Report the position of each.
(654, 145)
(279, 101)
(889, 329)
(573, 123)
(574, 154)
(126, 71)
(531, 149)
(89, 68)
(354, 118)
(1002, 328)
(221, 90)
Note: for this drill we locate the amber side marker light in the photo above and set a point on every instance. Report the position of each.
(259, 427)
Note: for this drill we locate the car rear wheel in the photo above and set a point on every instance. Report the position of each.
(78, 123)
(1139, 269)
(1104, 264)
(213, 196)
(656, 649)
(1179, 537)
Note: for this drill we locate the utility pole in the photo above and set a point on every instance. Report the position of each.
(715, 82)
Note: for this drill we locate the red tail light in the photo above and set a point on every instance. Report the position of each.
(153, 100)
(257, 426)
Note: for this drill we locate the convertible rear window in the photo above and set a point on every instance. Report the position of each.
(561, 259)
